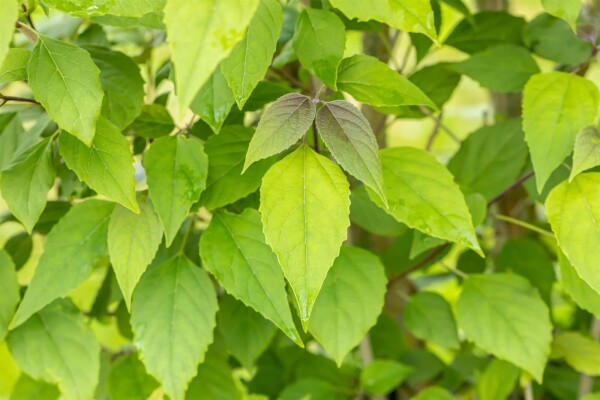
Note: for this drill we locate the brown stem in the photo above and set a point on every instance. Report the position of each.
(4, 99)
(512, 187)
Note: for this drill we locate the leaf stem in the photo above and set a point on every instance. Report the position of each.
(315, 136)
(512, 187)
(523, 224)
(186, 236)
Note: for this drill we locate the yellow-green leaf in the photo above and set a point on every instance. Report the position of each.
(305, 201)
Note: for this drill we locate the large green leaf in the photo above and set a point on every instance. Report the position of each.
(491, 70)
(214, 100)
(106, 166)
(176, 169)
(565, 9)
(225, 183)
(491, 159)
(214, 381)
(122, 84)
(428, 316)
(497, 380)
(55, 345)
(245, 332)
(282, 124)
(10, 292)
(9, 13)
(574, 214)
(406, 15)
(211, 30)
(249, 60)
(66, 81)
(504, 315)
(305, 213)
(13, 138)
(133, 240)
(319, 42)
(422, 194)
(587, 151)
(489, 28)
(556, 106)
(349, 137)
(553, 39)
(371, 81)
(580, 352)
(153, 122)
(233, 249)
(173, 317)
(128, 379)
(585, 297)
(349, 302)
(26, 181)
(72, 249)
(125, 8)
(14, 67)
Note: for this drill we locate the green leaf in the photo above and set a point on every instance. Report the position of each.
(304, 205)
(565, 9)
(491, 159)
(87, 8)
(349, 137)
(19, 248)
(422, 194)
(13, 138)
(122, 84)
(489, 29)
(214, 381)
(173, 317)
(211, 30)
(497, 380)
(66, 81)
(153, 122)
(587, 151)
(529, 259)
(428, 316)
(72, 249)
(10, 292)
(433, 393)
(314, 389)
(233, 249)
(26, 181)
(406, 15)
(8, 16)
(176, 170)
(556, 106)
(250, 59)
(371, 81)
(246, 333)
(491, 70)
(585, 297)
(14, 67)
(128, 379)
(553, 39)
(505, 316)
(580, 352)
(55, 345)
(214, 100)
(349, 302)
(225, 183)
(282, 125)
(106, 166)
(133, 240)
(574, 214)
(382, 376)
(319, 42)
(370, 217)
(26, 389)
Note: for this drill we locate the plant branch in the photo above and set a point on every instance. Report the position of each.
(448, 131)
(315, 136)
(511, 188)
(523, 224)
(435, 132)
(5, 99)
(27, 31)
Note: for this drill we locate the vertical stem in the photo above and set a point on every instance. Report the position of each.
(315, 136)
